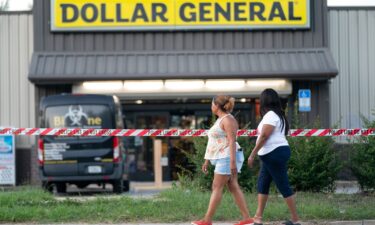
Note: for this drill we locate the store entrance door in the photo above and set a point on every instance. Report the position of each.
(178, 146)
(140, 149)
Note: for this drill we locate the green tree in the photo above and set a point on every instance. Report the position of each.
(363, 159)
(314, 162)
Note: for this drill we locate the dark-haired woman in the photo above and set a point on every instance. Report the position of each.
(224, 152)
(273, 150)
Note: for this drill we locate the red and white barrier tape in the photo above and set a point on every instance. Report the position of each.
(79, 132)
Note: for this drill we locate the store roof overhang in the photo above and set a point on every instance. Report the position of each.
(70, 67)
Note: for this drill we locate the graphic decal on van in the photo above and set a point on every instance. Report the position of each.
(54, 151)
(75, 115)
(83, 116)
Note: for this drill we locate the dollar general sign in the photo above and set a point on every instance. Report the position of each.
(111, 15)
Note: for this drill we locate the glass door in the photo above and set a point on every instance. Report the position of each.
(140, 149)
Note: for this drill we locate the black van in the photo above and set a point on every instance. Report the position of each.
(81, 160)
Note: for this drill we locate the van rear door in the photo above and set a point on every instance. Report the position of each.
(77, 156)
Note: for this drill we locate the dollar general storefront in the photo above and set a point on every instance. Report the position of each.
(165, 59)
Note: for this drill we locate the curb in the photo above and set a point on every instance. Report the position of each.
(361, 222)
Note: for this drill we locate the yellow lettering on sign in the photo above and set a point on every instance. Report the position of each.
(178, 14)
(112, 13)
(238, 12)
(94, 121)
(58, 121)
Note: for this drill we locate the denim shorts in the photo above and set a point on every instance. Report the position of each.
(222, 166)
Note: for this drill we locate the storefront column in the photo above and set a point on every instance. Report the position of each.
(157, 163)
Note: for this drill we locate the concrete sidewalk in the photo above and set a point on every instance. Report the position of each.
(362, 222)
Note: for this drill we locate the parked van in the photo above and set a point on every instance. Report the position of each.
(81, 160)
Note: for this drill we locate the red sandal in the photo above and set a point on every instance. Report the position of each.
(201, 222)
(249, 221)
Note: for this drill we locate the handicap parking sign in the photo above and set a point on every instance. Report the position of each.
(304, 100)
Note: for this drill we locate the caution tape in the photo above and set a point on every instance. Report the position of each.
(80, 132)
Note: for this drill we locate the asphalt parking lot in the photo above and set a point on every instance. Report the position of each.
(137, 190)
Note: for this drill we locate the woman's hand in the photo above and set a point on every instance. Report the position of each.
(262, 138)
(233, 168)
(205, 167)
(250, 160)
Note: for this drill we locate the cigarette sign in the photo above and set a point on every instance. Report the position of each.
(7, 160)
(112, 15)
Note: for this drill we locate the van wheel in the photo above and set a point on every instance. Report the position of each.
(61, 187)
(126, 185)
(47, 186)
(117, 186)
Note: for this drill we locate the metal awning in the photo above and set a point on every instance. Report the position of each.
(54, 67)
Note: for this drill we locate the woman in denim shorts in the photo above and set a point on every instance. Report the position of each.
(226, 155)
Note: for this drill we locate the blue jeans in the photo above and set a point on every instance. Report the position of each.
(274, 167)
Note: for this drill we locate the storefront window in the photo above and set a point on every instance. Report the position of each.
(140, 149)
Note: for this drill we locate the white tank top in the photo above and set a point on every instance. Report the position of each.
(218, 144)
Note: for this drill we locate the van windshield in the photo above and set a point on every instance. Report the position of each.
(81, 116)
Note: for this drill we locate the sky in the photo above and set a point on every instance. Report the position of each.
(351, 2)
(25, 4)
(17, 5)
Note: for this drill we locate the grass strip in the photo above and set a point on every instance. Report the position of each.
(174, 205)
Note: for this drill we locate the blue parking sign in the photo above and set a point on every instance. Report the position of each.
(304, 100)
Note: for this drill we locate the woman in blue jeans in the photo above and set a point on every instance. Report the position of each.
(273, 150)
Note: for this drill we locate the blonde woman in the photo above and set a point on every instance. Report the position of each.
(226, 155)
